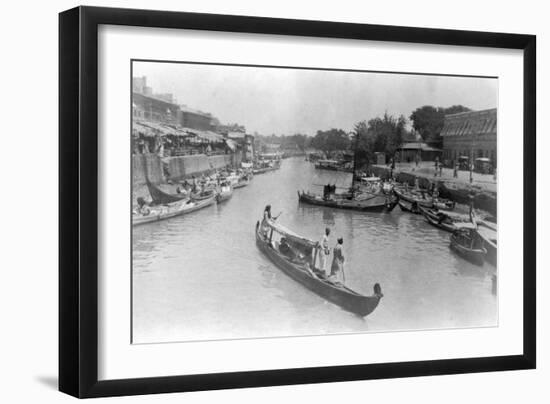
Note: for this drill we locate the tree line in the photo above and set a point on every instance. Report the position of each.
(381, 134)
(387, 133)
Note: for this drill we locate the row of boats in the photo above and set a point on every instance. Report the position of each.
(472, 238)
(190, 197)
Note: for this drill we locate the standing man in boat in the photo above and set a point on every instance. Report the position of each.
(337, 268)
(324, 251)
(267, 217)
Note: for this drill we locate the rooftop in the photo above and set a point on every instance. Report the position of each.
(471, 123)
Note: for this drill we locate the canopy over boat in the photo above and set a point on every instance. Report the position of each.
(290, 235)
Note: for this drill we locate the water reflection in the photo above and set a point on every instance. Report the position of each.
(201, 276)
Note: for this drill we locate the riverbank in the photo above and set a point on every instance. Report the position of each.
(483, 188)
(164, 170)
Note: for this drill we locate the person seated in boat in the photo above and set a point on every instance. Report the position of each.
(337, 268)
(324, 251)
(286, 250)
(143, 209)
(326, 191)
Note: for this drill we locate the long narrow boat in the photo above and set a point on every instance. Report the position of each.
(444, 221)
(171, 210)
(267, 167)
(298, 265)
(203, 195)
(160, 197)
(422, 199)
(262, 170)
(372, 203)
(333, 165)
(468, 244)
(242, 183)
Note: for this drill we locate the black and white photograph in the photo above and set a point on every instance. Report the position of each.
(281, 201)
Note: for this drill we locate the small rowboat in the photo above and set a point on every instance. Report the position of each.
(422, 199)
(203, 195)
(171, 210)
(295, 262)
(225, 192)
(243, 181)
(266, 167)
(444, 221)
(263, 170)
(468, 244)
(371, 203)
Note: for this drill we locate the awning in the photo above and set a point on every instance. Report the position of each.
(290, 234)
(231, 144)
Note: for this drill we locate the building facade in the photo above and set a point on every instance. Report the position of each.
(472, 135)
(418, 151)
(190, 118)
(153, 109)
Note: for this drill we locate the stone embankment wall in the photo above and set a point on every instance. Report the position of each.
(160, 170)
(458, 192)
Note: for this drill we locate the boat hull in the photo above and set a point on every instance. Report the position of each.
(423, 202)
(409, 207)
(203, 196)
(224, 196)
(375, 204)
(341, 296)
(168, 214)
(474, 255)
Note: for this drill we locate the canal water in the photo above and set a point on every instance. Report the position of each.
(201, 277)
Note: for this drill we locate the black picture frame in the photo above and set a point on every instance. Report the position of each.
(78, 200)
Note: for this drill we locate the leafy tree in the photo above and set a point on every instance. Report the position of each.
(381, 134)
(331, 140)
(428, 120)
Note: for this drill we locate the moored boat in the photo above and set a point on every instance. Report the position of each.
(204, 194)
(160, 197)
(297, 260)
(446, 221)
(243, 181)
(334, 165)
(225, 192)
(467, 243)
(168, 211)
(421, 198)
(373, 202)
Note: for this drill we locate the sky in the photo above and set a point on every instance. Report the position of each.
(288, 101)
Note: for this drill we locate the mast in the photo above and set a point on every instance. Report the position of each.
(354, 163)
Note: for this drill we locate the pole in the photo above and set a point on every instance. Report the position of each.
(354, 165)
